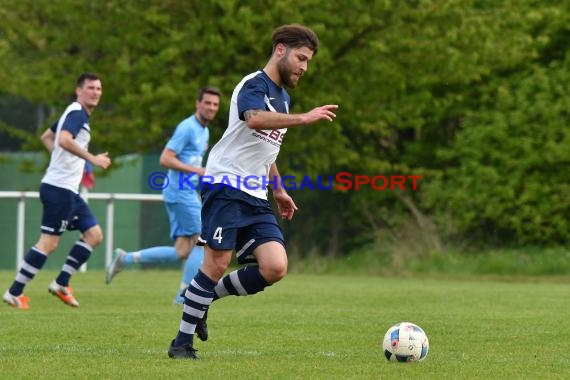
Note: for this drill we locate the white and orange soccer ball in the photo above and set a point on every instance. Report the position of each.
(405, 342)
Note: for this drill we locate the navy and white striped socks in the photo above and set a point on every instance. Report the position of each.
(197, 299)
(242, 282)
(33, 263)
(78, 255)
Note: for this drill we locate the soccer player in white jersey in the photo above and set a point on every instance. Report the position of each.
(183, 156)
(236, 214)
(63, 208)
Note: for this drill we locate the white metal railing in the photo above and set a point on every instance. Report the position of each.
(109, 215)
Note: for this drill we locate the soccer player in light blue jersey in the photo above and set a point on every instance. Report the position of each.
(63, 208)
(183, 156)
(237, 215)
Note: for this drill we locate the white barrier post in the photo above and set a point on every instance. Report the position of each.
(20, 229)
(109, 233)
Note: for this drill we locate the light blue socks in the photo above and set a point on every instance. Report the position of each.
(154, 255)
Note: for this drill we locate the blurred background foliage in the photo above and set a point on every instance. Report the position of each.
(470, 94)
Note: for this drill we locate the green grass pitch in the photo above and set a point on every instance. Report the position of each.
(306, 327)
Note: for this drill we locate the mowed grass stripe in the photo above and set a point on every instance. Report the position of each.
(306, 327)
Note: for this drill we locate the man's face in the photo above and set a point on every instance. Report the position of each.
(293, 64)
(207, 108)
(90, 93)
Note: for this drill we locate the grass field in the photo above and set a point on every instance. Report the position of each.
(306, 327)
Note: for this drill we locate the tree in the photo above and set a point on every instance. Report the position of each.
(420, 86)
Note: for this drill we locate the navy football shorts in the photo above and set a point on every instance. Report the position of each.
(233, 219)
(64, 210)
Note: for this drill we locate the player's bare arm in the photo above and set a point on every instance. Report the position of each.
(169, 160)
(67, 142)
(285, 203)
(261, 119)
(48, 138)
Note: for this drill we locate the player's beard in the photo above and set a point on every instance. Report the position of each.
(285, 71)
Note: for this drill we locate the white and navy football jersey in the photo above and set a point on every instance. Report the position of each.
(66, 169)
(243, 156)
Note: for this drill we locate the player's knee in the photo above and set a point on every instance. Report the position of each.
(272, 260)
(220, 267)
(184, 246)
(215, 265)
(274, 272)
(96, 239)
(47, 246)
(93, 236)
(182, 255)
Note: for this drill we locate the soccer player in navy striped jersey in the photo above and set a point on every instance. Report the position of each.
(236, 214)
(63, 208)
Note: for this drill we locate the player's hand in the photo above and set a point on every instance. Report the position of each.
(102, 160)
(285, 204)
(321, 113)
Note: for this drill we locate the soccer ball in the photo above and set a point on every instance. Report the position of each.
(405, 342)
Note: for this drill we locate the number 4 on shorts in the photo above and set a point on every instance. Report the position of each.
(218, 235)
